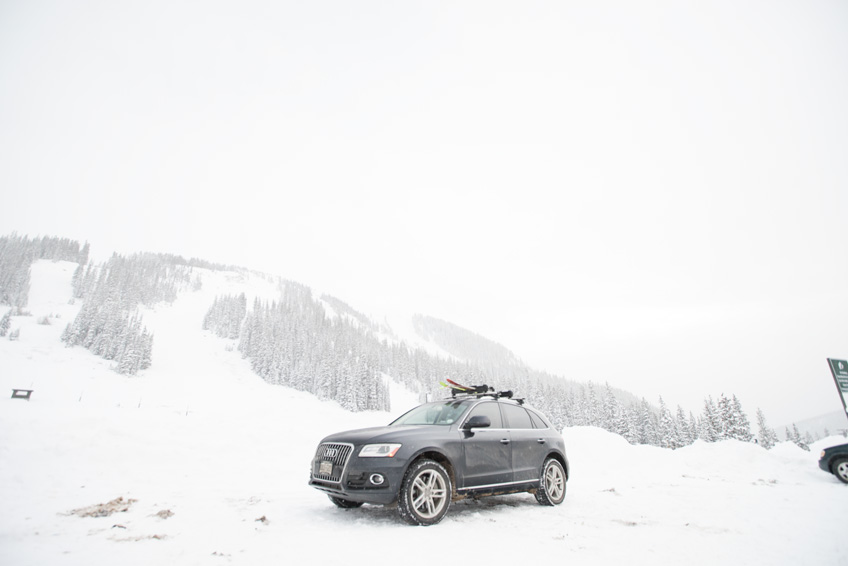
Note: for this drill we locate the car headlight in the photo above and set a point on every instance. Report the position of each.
(379, 450)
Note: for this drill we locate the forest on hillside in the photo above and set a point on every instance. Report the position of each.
(293, 342)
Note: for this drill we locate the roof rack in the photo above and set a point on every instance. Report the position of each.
(483, 391)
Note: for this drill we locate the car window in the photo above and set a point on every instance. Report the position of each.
(442, 413)
(516, 417)
(537, 419)
(490, 410)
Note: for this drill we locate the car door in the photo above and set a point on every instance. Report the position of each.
(487, 451)
(528, 443)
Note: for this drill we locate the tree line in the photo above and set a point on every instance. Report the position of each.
(16, 256)
(642, 423)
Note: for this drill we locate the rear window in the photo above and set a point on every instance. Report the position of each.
(516, 417)
(538, 420)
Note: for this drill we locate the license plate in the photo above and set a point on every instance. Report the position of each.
(325, 468)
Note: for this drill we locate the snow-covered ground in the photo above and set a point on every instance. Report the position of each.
(212, 466)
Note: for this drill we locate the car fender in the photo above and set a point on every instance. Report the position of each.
(438, 454)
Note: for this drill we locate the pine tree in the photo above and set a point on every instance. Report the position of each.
(739, 427)
(711, 429)
(146, 344)
(631, 417)
(5, 323)
(726, 416)
(622, 422)
(682, 425)
(666, 433)
(796, 438)
(647, 425)
(766, 437)
(82, 258)
(593, 411)
(693, 428)
(611, 409)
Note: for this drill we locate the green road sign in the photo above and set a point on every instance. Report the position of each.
(839, 368)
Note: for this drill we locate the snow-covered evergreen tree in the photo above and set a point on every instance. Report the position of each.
(647, 425)
(668, 436)
(796, 438)
(610, 418)
(593, 408)
(766, 437)
(738, 427)
(693, 428)
(711, 423)
(726, 416)
(682, 426)
(5, 323)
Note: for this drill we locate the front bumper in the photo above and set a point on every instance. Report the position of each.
(355, 477)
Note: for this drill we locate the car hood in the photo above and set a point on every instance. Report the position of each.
(836, 448)
(384, 434)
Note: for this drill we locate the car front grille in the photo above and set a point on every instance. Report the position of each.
(335, 453)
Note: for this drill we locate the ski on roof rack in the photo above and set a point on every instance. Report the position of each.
(477, 391)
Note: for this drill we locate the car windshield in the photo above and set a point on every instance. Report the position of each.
(442, 413)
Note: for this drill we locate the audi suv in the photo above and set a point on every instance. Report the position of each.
(444, 451)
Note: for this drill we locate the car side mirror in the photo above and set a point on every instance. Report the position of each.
(477, 421)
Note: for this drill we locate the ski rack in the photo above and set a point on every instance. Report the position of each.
(479, 392)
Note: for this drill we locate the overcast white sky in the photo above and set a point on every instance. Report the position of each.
(649, 193)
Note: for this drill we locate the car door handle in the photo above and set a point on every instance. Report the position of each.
(540, 440)
(504, 441)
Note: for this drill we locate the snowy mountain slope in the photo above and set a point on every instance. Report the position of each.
(404, 328)
(463, 343)
(398, 328)
(212, 463)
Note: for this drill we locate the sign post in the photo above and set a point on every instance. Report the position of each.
(839, 369)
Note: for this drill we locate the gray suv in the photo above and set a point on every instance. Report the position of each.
(466, 446)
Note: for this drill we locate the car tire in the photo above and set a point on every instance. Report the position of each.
(551, 490)
(344, 503)
(840, 469)
(425, 493)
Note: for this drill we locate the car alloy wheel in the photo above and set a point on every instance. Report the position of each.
(425, 494)
(840, 469)
(551, 490)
